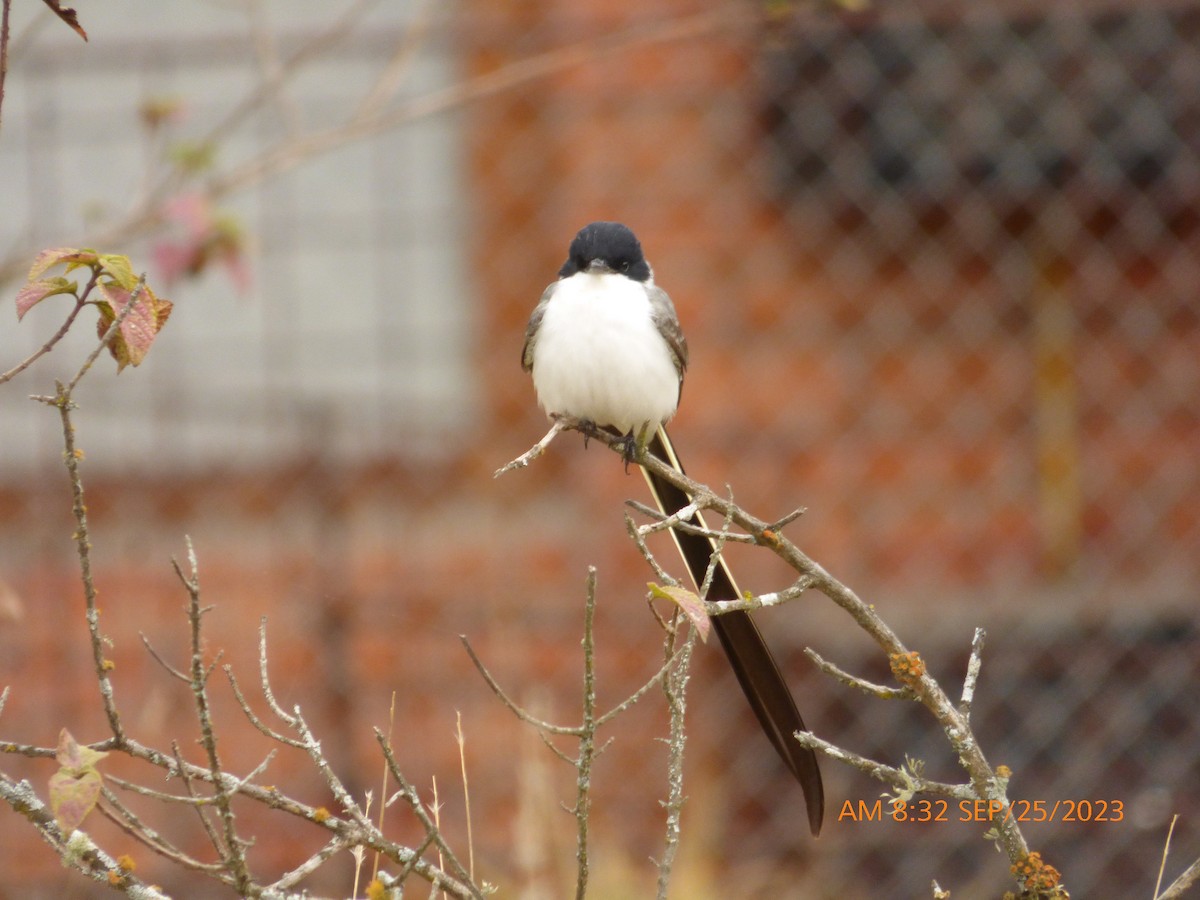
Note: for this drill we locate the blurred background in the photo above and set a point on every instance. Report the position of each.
(938, 266)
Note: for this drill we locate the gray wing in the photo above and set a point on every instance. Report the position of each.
(531, 330)
(662, 311)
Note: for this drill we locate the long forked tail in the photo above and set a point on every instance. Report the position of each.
(755, 667)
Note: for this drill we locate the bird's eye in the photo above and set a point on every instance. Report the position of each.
(625, 266)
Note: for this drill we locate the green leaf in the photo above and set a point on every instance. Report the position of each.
(193, 157)
(119, 269)
(688, 602)
(37, 291)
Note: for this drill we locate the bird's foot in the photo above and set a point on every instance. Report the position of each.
(631, 449)
(589, 429)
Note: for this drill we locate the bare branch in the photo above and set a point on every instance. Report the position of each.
(7, 8)
(637, 695)
(675, 689)
(54, 339)
(985, 782)
(76, 850)
(762, 601)
(1188, 878)
(409, 795)
(533, 452)
(879, 691)
(309, 866)
(264, 679)
(253, 718)
(234, 851)
(903, 780)
(973, 666)
(167, 667)
(517, 710)
(125, 819)
(587, 738)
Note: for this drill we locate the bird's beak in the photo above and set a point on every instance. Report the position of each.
(599, 267)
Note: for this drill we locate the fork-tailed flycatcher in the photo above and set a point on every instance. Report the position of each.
(604, 346)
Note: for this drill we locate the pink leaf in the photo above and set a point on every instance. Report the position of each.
(72, 797)
(37, 291)
(74, 757)
(74, 788)
(47, 259)
(689, 603)
(138, 329)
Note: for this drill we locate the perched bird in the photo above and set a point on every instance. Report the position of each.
(604, 346)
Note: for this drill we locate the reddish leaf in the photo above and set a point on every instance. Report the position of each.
(37, 291)
(73, 757)
(200, 236)
(689, 603)
(72, 797)
(73, 257)
(138, 329)
(75, 788)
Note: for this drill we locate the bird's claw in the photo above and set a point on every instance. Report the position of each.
(630, 451)
(589, 430)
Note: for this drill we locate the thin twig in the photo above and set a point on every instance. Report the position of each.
(1190, 876)
(639, 539)
(461, 740)
(383, 791)
(901, 779)
(234, 851)
(4, 51)
(637, 695)
(188, 777)
(297, 874)
(762, 601)
(663, 522)
(162, 796)
(436, 808)
(20, 367)
(264, 681)
(409, 794)
(1165, 853)
(253, 718)
(131, 824)
(587, 738)
(166, 666)
(675, 689)
(972, 678)
(389, 81)
(879, 691)
(714, 558)
(533, 452)
(519, 711)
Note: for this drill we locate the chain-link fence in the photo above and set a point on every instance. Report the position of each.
(938, 269)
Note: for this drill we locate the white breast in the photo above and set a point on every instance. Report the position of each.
(599, 356)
